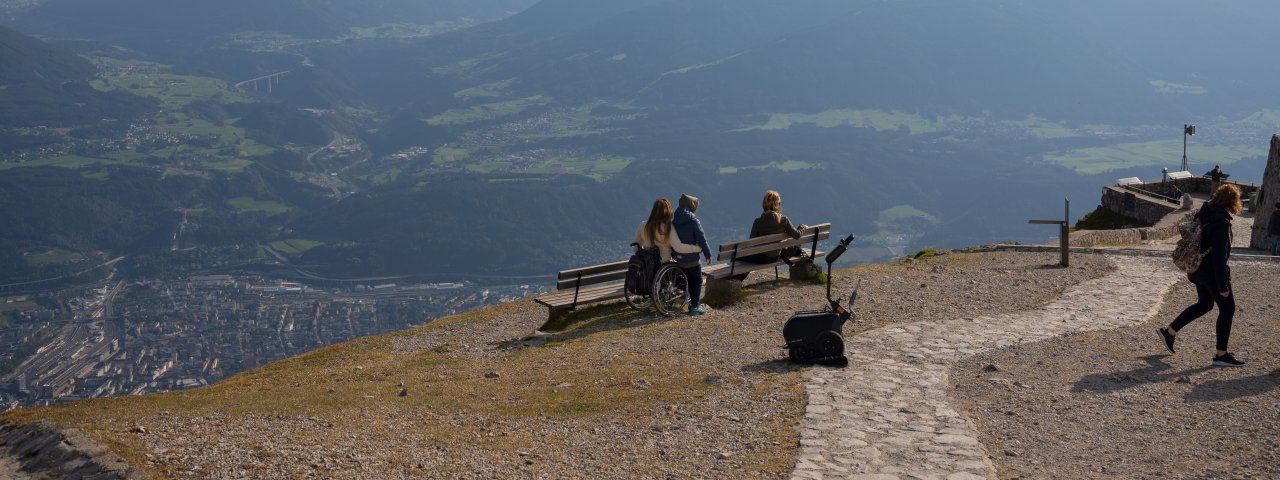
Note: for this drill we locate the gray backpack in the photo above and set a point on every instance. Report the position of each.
(1187, 255)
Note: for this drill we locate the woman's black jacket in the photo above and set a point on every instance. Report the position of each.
(1215, 230)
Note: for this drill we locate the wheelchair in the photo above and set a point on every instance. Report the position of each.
(669, 293)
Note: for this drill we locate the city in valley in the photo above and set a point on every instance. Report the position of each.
(140, 336)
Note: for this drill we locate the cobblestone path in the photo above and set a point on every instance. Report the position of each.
(888, 416)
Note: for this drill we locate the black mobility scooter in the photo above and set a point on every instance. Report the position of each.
(814, 336)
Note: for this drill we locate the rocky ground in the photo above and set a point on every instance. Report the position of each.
(619, 394)
(1115, 404)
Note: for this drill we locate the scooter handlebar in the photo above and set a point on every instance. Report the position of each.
(839, 250)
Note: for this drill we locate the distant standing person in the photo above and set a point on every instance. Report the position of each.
(1273, 230)
(1216, 176)
(689, 231)
(1213, 279)
(770, 222)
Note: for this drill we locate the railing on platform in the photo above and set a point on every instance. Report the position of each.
(1149, 193)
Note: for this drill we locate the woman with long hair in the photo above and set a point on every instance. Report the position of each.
(657, 231)
(1213, 278)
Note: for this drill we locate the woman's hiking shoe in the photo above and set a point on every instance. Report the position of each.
(1168, 339)
(697, 310)
(1226, 360)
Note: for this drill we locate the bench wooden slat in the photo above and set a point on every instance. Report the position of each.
(590, 295)
(592, 280)
(564, 298)
(803, 241)
(751, 242)
(777, 237)
(592, 270)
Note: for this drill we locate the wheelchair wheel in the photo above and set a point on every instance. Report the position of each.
(671, 290)
(637, 301)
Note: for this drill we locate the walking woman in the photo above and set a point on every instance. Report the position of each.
(1213, 278)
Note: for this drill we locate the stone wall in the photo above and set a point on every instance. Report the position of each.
(1128, 236)
(1268, 197)
(45, 451)
(1135, 205)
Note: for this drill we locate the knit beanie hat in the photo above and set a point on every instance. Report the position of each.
(689, 202)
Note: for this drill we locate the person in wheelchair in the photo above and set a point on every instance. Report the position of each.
(657, 231)
(772, 221)
(666, 287)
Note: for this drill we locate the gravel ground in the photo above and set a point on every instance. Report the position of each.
(1115, 404)
(9, 469)
(621, 395)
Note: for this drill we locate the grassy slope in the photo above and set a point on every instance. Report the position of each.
(338, 383)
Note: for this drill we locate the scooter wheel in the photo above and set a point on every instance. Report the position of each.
(800, 353)
(830, 344)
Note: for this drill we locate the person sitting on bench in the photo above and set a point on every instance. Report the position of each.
(657, 231)
(772, 221)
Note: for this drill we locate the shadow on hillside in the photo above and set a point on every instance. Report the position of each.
(1156, 371)
(777, 365)
(600, 318)
(617, 315)
(1219, 390)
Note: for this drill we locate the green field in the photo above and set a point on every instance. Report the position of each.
(877, 119)
(574, 123)
(787, 166)
(402, 30)
(294, 246)
(385, 176)
(98, 175)
(65, 161)
(881, 120)
(176, 92)
(155, 80)
(903, 220)
(1095, 160)
(55, 256)
(445, 155)
(596, 168)
(487, 90)
(246, 204)
(903, 212)
(488, 111)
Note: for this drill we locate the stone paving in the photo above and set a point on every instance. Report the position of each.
(888, 415)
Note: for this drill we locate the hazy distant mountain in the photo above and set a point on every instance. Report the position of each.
(28, 60)
(43, 85)
(1090, 61)
(151, 25)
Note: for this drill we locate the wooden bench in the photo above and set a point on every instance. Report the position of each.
(720, 276)
(573, 287)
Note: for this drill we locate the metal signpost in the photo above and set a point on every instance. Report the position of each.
(1064, 227)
